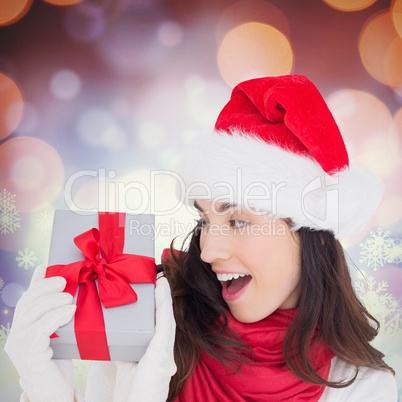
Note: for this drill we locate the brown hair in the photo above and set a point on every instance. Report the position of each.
(327, 301)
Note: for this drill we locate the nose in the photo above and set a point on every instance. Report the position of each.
(215, 246)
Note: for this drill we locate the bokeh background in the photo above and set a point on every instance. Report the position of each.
(96, 95)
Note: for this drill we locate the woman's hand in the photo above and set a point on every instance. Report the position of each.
(39, 313)
(157, 366)
(149, 379)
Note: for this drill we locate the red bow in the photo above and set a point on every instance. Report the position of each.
(103, 260)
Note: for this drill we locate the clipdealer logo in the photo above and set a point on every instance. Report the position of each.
(317, 201)
(113, 194)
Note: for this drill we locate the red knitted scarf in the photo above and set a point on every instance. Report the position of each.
(267, 378)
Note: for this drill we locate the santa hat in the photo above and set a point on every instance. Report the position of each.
(276, 147)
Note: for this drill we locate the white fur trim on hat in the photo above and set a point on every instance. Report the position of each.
(247, 171)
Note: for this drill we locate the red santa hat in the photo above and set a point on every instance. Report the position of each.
(276, 147)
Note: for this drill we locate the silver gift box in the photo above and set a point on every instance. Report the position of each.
(129, 328)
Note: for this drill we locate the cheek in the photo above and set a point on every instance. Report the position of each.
(202, 240)
(276, 261)
(268, 250)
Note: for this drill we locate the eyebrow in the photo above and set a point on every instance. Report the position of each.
(222, 207)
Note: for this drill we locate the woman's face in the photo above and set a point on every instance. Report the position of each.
(256, 259)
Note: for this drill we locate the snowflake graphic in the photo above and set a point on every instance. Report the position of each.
(9, 216)
(376, 250)
(383, 305)
(7, 200)
(395, 251)
(44, 221)
(4, 331)
(26, 258)
(1, 284)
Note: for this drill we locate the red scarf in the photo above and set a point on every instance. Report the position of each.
(267, 378)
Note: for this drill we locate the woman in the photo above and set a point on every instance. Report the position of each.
(263, 300)
(308, 281)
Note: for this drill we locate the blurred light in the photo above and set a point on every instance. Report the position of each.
(380, 49)
(28, 172)
(65, 85)
(167, 156)
(397, 15)
(114, 138)
(389, 211)
(29, 121)
(11, 293)
(136, 193)
(151, 134)
(7, 66)
(394, 139)
(121, 107)
(5, 311)
(396, 134)
(85, 23)
(87, 196)
(168, 108)
(377, 157)
(11, 105)
(254, 50)
(129, 47)
(393, 63)
(13, 10)
(349, 5)
(360, 116)
(170, 34)
(194, 85)
(92, 123)
(204, 98)
(97, 128)
(172, 218)
(244, 11)
(102, 193)
(63, 2)
(31, 169)
(398, 94)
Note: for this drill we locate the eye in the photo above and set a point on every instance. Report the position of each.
(201, 223)
(238, 224)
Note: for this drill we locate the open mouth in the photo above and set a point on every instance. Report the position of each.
(233, 284)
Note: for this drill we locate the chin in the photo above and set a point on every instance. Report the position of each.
(247, 318)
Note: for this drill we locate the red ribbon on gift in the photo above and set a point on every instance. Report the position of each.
(103, 260)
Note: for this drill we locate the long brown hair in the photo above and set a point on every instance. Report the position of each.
(327, 301)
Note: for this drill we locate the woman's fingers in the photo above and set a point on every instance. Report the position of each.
(42, 305)
(43, 296)
(44, 287)
(53, 320)
(39, 273)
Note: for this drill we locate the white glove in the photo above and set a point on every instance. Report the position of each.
(157, 366)
(149, 379)
(39, 313)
